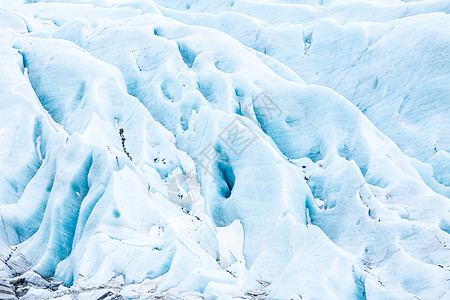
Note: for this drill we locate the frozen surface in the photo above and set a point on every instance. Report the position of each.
(225, 149)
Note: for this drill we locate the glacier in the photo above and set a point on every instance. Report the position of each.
(236, 149)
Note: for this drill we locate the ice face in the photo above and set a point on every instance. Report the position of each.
(199, 149)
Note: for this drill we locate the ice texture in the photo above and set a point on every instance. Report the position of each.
(233, 149)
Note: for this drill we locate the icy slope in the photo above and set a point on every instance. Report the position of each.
(403, 92)
(212, 149)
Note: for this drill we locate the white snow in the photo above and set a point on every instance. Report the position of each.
(225, 149)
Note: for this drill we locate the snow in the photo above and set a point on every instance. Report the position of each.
(281, 149)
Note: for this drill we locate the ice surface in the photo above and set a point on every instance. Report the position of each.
(225, 149)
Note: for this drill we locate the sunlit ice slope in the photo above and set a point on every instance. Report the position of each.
(233, 149)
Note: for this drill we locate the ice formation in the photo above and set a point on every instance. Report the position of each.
(236, 149)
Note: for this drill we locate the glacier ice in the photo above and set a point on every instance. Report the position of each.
(225, 149)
